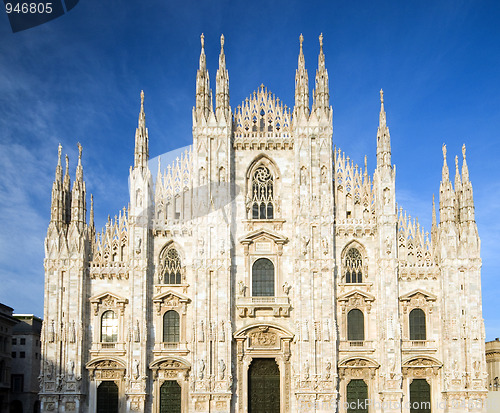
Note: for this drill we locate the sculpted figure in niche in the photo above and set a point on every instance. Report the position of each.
(241, 288)
(135, 369)
(71, 369)
(201, 369)
(222, 369)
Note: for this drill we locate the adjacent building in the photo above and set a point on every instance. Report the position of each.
(26, 356)
(493, 363)
(7, 322)
(263, 271)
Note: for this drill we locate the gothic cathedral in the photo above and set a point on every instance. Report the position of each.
(262, 272)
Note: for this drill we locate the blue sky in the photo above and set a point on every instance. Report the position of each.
(78, 78)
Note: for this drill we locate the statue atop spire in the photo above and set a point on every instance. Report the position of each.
(222, 108)
(141, 153)
(445, 171)
(321, 92)
(382, 116)
(383, 137)
(203, 92)
(465, 169)
(301, 84)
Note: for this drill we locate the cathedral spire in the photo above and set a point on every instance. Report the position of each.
(222, 87)
(67, 194)
(434, 223)
(56, 214)
(446, 195)
(301, 84)
(203, 93)
(383, 137)
(141, 153)
(465, 169)
(321, 92)
(445, 174)
(458, 181)
(78, 207)
(466, 196)
(91, 219)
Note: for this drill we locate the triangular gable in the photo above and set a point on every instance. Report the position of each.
(255, 235)
(408, 296)
(100, 297)
(162, 296)
(366, 296)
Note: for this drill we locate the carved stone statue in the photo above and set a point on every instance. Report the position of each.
(135, 369)
(222, 369)
(201, 369)
(241, 288)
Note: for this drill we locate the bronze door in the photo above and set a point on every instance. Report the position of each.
(170, 397)
(357, 396)
(107, 397)
(420, 396)
(263, 386)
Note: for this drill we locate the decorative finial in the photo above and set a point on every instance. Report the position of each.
(301, 38)
(463, 151)
(142, 99)
(202, 37)
(444, 151)
(456, 162)
(79, 152)
(59, 149)
(381, 96)
(67, 163)
(222, 42)
(321, 41)
(366, 163)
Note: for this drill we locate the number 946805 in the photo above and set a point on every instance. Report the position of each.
(28, 8)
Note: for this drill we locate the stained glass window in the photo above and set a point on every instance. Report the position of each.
(353, 266)
(172, 267)
(262, 194)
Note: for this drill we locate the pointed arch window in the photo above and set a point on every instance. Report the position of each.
(353, 266)
(355, 325)
(262, 194)
(171, 327)
(417, 324)
(109, 327)
(172, 267)
(263, 278)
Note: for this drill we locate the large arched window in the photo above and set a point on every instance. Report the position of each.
(355, 325)
(357, 396)
(109, 327)
(353, 264)
(263, 278)
(417, 325)
(172, 267)
(171, 327)
(262, 194)
(420, 396)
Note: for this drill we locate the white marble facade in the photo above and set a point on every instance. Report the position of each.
(262, 182)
